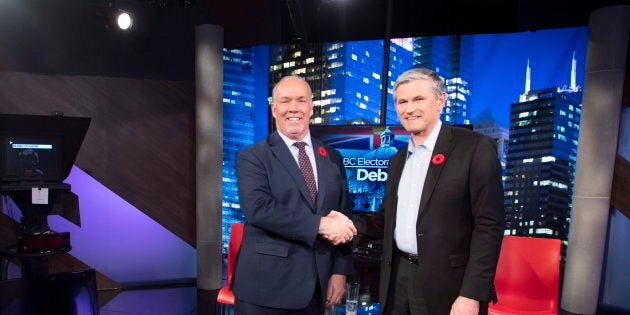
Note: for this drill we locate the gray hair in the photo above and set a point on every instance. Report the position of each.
(420, 74)
(275, 87)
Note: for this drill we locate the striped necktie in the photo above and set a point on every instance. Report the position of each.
(307, 169)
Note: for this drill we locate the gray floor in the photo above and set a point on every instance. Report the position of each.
(165, 301)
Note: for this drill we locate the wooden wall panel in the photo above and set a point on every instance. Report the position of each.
(620, 195)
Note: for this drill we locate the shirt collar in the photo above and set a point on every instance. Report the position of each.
(289, 142)
(429, 143)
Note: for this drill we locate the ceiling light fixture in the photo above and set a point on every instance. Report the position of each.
(124, 20)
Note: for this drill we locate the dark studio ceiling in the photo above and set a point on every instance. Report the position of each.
(77, 37)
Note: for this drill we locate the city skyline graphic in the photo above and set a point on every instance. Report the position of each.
(486, 76)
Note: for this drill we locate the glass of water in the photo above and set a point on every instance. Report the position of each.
(352, 298)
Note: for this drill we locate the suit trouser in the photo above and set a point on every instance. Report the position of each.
(405, 297)
(314, 307)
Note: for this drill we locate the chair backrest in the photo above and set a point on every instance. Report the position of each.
(528, 276)
(225, 295)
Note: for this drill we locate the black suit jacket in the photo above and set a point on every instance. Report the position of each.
(460, 222)
(282, 257)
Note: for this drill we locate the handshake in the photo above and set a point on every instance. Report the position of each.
(337, 228)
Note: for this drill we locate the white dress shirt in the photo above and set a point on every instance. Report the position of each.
(410, 191)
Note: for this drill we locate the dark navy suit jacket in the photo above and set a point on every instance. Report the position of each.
(282, 257)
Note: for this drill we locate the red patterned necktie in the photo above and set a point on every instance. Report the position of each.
(307, 169)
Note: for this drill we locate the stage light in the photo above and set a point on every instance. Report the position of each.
(124, 20)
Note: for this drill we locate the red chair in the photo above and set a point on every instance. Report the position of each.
(226, 296)
(527, 277)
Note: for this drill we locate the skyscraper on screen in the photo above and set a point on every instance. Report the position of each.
(544, 128)
(345, 77)
(244, 70)
(451, 58)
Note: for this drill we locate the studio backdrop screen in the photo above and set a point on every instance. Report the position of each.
(366, 151)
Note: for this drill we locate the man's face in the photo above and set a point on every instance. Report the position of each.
(418, 107)
(292, 108)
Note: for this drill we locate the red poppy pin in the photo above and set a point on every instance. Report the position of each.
(322, 151)
(438, 159)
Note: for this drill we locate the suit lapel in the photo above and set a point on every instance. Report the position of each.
(323, 164)
(282, 153)
(444, 146)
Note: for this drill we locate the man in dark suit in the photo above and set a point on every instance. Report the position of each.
(293, 190)
(442, 216)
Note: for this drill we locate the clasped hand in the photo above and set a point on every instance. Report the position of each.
(337, 228)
